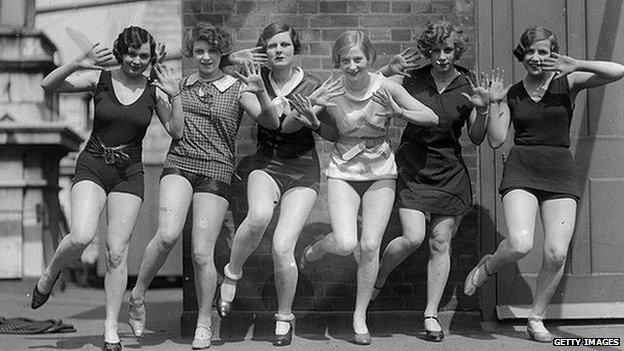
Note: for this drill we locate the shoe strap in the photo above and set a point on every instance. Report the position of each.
(284, 317)
(135, 304)
(536, 319)
(433, 317)
(230, 275)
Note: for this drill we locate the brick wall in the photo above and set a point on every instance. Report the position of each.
(329, 284)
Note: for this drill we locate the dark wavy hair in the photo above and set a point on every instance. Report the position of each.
(276, 28)
(532, 35)
(133, 37)
(217, 37)
(438, 32)
(353, 38)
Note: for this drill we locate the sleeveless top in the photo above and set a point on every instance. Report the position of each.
(115, 124)
(429, 159)
(212, 115)
(362, 151)
(540, 158)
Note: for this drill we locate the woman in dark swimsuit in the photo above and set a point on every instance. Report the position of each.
(109, 170)
(539, 172)
(284, 170)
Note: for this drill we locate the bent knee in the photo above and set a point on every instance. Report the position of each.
(258, 220)
(81, 238)
(167, 238)
(345, 247)
(556, 257)
(116, 257)
(439, 245)
(202, 258)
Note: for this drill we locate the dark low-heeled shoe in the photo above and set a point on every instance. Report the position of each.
(434, 335)
(362, 339)
(38, 298)
(112, 346)
(284, 339)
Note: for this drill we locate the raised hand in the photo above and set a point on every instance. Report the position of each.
(95, 58)
(252, 78)
(251, 56)
(329, 89)
(303, 111)
(406, 61)
(481, 91)
(161, 51)
(383, 98)
(498, 90)
(166, 80)
(561, 64)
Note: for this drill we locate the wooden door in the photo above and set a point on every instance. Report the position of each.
(594, 276)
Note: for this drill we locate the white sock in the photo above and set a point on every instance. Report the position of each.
(281, 328)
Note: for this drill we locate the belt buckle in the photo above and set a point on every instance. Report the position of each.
(109, 156)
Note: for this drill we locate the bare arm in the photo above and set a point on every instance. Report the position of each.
(403, 105)
(169, 101)
(255, 100)
(63, 80)
(498, 124)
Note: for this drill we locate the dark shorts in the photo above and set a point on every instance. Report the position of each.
(361, 187)
(543, 195)
(288, 173)
(201, 183)
(128, 180)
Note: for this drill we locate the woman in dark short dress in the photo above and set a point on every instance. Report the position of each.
(539, 172)
(433, 183)
(109, 170)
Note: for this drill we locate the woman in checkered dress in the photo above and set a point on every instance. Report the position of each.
(199, 166)
(109, 171)
(284, 170)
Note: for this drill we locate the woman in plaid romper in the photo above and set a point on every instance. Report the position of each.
(198, 168)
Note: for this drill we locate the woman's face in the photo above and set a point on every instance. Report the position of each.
(206, 58)
(353, 63)
(443, 56)
(535, 55)
(135, 61)
(280, 50)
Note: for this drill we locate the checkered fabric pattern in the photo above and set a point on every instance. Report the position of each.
(211, 121)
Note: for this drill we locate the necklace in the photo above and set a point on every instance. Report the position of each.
(537, 91)
(283, 80)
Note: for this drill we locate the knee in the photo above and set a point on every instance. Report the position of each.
(259, 219)
(116, 256)
(282, 252)
(555, 257)
(520, 247)
(202, 259)
(80, 238)
(368, 249)
(413, 242)
(345, 247)
(166, 239)
(439, 244)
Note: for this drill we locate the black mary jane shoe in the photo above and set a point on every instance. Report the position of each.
(433, 335)
(284, 339)
(38, 298)
(112, 346)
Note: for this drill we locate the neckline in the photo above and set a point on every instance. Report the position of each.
(546, 91)
(112, 86)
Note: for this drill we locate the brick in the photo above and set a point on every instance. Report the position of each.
(207, 6)
(442, 6)
(332, 34)
(287, 6)
(223, 6)
(401, 35)
(380, 34)
(358, 6)
(305, 49)
(380, 6)
(217, 20)
(307, 6)
(421, 7)
(419, 20)
(465, 6)
(401, 7)
(248, 34)
(265, 7)
(245, 7)
(235, 21)
(191, 6)
(320, 48)
(293, 20)
(381, 21)
(333, 7)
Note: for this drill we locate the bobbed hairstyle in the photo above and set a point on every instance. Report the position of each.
(276, 28)
(532, 35)
(438, 32)
(133, 37)
(350, 39)
(217, 37)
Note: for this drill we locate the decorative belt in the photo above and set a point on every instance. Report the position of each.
(117, 155)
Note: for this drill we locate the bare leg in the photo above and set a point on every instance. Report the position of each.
(262, 197)
(295, 208)
(376, 209)
(175, 199)
(414, 224)
(123, 210)
(88, 200)
(442, 230)
(208, 213)
(558, 217)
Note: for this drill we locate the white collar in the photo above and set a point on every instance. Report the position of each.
(374, 85)
(292, 83)
(222, 84)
